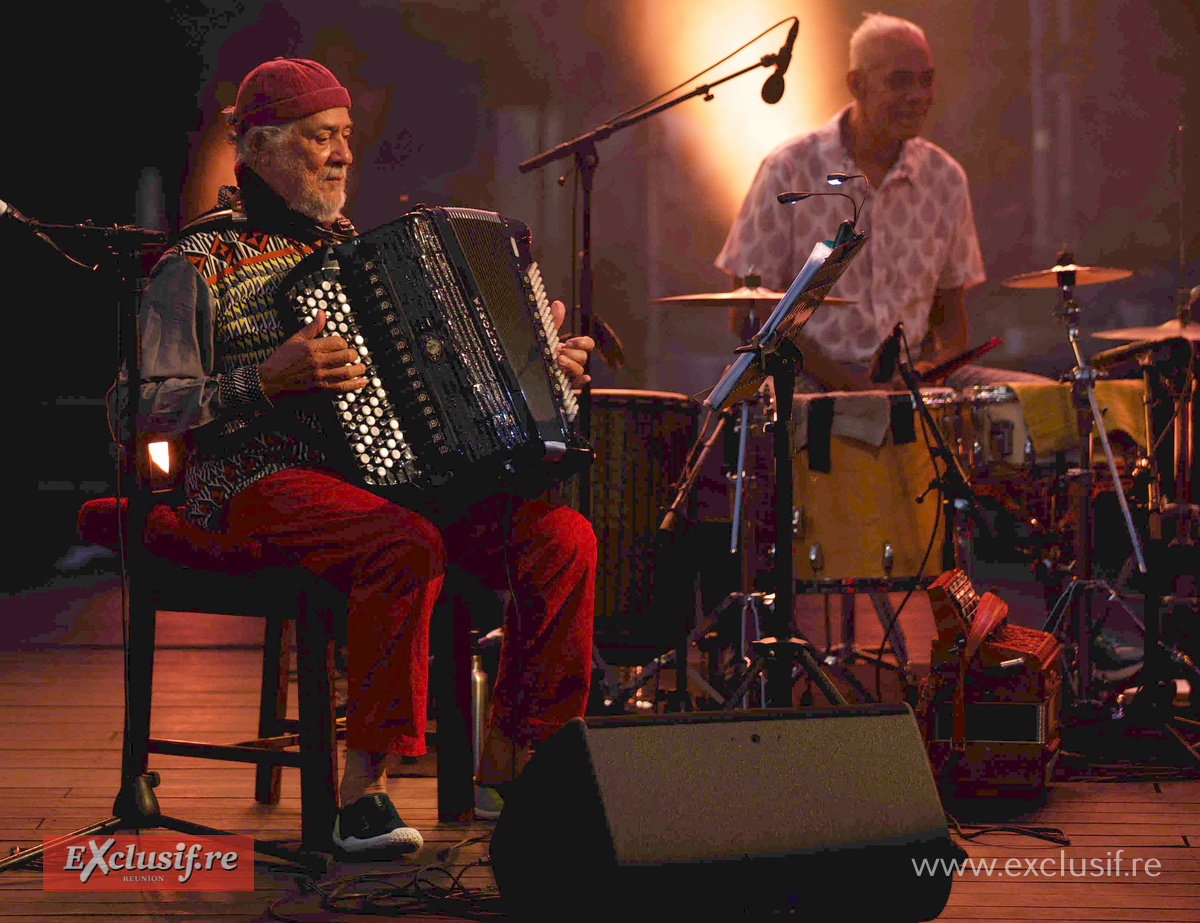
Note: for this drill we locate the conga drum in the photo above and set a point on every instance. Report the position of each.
(641, 439)
(856, 485)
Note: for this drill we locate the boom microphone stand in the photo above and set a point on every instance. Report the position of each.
(135, 806)
(587, 159)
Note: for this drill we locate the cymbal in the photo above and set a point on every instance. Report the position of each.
(1048, 278)
(736, 296)
(1170, 330)
(1134, 352)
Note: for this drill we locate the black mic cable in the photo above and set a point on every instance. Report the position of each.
(884, 366)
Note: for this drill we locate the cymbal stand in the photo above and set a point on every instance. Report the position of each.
(1180, 517)
(1154, 703)
(1088, 415)
(1187, 512)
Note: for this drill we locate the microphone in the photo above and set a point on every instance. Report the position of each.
(772, 91)
(8, 211)
(884, 365)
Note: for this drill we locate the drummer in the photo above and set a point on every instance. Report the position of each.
(923, 251)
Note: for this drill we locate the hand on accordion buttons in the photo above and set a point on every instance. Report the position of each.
(573, 352)
(307, 362)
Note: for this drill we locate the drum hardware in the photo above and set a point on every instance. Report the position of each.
(749, 297)
(1182, 517)
(839, 657)
(1152, 337)
(1064, 266)
(1066, 275)
(1154, 590)
(746, 599)
(865, 535)
(745, 296)
(1177, 557)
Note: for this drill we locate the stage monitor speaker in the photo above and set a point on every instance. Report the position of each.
(827, 811)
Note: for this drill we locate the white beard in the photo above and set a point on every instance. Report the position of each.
(322, 209)
(310, 197)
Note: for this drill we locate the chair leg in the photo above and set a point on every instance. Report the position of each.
(455, 769)
(318, 736)
(272, 708)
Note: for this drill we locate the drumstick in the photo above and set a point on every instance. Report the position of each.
(938, 372)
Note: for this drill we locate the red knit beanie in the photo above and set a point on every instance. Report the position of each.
(287, 89)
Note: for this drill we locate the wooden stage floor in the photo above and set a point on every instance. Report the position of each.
(60, 739)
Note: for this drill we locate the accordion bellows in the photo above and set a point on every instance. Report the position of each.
(449, 315)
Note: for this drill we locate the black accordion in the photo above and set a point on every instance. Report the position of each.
(449, 315)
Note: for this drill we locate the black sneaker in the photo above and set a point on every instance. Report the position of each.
(371, 824)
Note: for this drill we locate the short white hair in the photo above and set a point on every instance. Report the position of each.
(248, 142)
(874, 27)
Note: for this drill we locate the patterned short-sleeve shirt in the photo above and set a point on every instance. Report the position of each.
(920, 227)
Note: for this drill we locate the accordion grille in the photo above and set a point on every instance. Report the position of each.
(451, 320)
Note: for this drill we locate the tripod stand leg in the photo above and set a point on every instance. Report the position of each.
(1193, 750)
(137, 809)
(775, 661)
(846, 675)
(895, 638)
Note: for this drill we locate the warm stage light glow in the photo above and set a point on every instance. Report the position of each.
(160, 455)
(724, 139)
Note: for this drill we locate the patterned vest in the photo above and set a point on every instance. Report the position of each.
(243, 269)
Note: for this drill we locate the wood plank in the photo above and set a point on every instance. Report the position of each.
(1031, 913)
(60, 757)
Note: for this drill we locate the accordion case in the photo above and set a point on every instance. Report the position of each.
(450, 317)
(990, 708)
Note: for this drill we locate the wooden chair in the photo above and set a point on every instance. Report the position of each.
(182, 568)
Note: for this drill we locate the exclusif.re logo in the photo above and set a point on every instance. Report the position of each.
(144, 862)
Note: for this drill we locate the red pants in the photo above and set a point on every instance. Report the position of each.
(390, 562)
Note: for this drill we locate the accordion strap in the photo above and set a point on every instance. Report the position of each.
(991, 612)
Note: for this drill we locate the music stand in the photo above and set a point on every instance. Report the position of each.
(773, 353)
